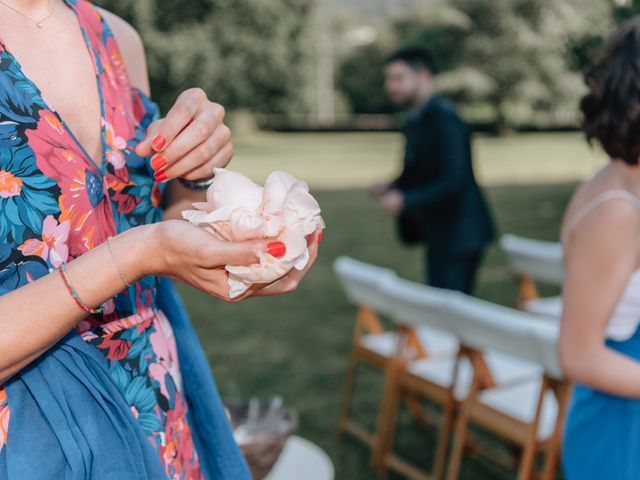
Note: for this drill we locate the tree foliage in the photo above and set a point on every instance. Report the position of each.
(509, 61)
(247, 54)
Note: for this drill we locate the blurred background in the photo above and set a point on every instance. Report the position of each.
(302, 81)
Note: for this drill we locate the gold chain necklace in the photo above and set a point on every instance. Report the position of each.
(39, 23)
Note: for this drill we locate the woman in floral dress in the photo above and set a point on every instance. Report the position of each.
(92, 182)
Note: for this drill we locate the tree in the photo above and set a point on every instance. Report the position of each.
(626, 9)
(247, 54)
(513, 62)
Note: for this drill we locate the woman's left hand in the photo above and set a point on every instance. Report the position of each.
(190, 141)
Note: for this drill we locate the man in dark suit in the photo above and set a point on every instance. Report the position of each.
(436, 198)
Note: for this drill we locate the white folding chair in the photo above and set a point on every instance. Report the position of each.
(364, 286)
(445, 381)
(535, 261)
(527, 414)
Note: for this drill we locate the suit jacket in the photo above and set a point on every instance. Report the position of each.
(444, 206)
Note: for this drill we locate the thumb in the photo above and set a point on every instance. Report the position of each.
(246, 253)
(144, 148)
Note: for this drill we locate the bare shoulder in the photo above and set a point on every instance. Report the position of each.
(610, 178)
(612, 224)
(131, 48)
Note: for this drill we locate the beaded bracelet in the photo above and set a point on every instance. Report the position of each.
(196, 186)
(74, 294)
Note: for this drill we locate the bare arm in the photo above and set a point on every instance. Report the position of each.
(33, 318)
(599, 265)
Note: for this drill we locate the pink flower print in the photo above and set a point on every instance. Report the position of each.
(53, 245)
(177, 452)
(114, 140)
(115, 158)
(82, 194)
(164, 347)
(4, 417)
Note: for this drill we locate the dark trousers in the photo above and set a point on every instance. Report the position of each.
(453, 270)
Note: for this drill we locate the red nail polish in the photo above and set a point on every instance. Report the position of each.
(158, 162)
(277, 249)
(160, 177)
(320, 236)
(158, 143)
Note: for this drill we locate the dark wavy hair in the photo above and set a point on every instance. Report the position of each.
(611, 109)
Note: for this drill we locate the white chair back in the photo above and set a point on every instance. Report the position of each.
(486, 326)
(546, 338)
(540, 260)
(361, 282)
(418, 305)
(478, 324)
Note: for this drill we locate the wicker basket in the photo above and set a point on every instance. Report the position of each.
(262, 452)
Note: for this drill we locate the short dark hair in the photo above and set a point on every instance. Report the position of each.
(611, 108)
(418, 58)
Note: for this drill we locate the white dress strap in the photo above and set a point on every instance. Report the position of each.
(595, 202)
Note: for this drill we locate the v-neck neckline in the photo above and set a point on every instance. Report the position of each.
(47, 106)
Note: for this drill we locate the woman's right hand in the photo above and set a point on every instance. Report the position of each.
(190, 254)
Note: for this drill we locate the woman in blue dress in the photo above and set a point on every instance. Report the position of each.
(600, 338)
(101, 374)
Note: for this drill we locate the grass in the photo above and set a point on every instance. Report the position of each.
(298, 345)
(355, 160)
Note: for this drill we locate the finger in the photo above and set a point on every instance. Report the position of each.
(290, 282)
(203, 171)
(143, 149)
(246, 253)
(198, 159)
(187, 106)
(206, 125)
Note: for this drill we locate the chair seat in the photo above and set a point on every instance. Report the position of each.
(436, 342)
(505, 369)
(546, 306)
(520, 401)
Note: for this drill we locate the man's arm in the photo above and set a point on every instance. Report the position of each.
(452, 147)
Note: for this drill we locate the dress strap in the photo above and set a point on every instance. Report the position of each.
(594, 203)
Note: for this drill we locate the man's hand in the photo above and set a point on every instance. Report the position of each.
(393, 201)
(379, 189)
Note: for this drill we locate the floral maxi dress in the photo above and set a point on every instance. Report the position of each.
(56, 203)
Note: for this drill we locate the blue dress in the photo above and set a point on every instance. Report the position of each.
(602, 431)
(128, 393)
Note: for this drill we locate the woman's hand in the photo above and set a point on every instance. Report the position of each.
(291, 281)
(190, 141)
(189, 253)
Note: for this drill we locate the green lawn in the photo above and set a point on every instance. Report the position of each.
(355, 160)
(298, 345)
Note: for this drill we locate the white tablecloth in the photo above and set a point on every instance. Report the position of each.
(302, 460)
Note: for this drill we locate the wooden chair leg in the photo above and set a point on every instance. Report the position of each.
(527, 460)
(459, 442)
(345, 403)
(387, 418)
(443, 439)
(552, 456)
(413, 404)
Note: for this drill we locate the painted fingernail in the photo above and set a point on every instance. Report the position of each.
(158, 162)
(277, 249)
(160, 177)
(320, 236)
(158, 143)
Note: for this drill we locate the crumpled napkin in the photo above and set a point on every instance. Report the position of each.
(237, 209)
